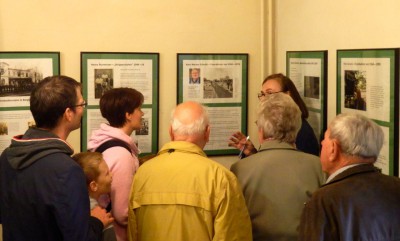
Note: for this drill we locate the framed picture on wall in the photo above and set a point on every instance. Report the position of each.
(308, 71)
(368, 84)
(218, 81)
(19, 73)
(102, 71)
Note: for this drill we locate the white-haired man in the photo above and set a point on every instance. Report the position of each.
(357, 202)
(181, 194)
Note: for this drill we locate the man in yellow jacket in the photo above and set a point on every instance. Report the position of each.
(183, 195)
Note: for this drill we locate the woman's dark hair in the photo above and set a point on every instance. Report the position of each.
(288, 85)
(51, 97)
(115, 103)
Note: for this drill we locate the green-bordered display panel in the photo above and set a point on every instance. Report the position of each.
(101, 71)
(218, 81)
(367, 83)
(308, 71)
(19, 73)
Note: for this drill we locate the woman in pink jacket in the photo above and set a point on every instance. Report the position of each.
(121, 107)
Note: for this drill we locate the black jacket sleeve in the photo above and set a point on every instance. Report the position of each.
(95, 228)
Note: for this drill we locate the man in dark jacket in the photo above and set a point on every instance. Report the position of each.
(43, 191)
(357, 202)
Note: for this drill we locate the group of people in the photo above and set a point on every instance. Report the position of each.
(275, 192)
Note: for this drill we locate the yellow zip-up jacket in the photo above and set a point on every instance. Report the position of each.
(182, 195)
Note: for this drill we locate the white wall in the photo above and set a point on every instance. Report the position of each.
(167, 27)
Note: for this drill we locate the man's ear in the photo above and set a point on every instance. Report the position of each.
(207, 133)
(334, 150)
(171, 134)
(93, 186)
(261, 137)
(68, 114)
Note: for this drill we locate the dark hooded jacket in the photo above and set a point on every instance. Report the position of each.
(43, 191)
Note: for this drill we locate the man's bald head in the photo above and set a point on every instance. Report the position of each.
(189, 122)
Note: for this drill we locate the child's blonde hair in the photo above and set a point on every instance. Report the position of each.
(89, 161)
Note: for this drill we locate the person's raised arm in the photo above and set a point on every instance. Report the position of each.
(238, 140)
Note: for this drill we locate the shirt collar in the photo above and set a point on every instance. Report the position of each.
(340, 170)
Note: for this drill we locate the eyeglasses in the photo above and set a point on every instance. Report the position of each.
(83, 105)
(261, 95)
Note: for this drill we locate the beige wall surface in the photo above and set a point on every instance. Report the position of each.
(166, 27)
(331, 25)
(208, 26)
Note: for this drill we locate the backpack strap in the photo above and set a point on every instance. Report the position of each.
(112, 143)
(109, 144)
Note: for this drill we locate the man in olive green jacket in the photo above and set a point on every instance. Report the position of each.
(181, 194)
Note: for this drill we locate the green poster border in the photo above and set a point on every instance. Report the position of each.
(323, 56)
(393, 55)
(54, 56)
(243, 104)
(155, 57)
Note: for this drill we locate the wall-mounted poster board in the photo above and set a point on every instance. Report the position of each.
(308, 71)
(368, 84)
(102, 71)
(218, 81)
(19, 73)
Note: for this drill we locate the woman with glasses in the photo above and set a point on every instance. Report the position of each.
(306, 140)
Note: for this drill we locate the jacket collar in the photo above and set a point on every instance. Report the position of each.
(182, 146)
(360, 169)
(274, 144)
(34, 145)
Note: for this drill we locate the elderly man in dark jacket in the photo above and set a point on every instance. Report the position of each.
(357, 202)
